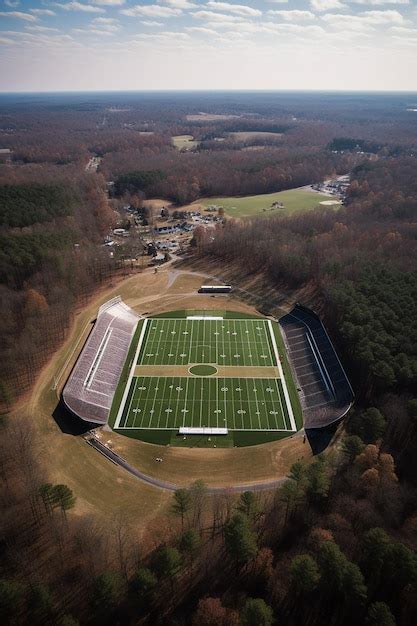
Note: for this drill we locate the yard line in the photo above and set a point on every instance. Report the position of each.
(137, 402)
(172, 339)
(250, 355)
(257, 348)
(169, 401)
(217, 342)
(162, 400)
(222, 360)
(246, 380)
(284, 419)
(156, 349)
(247, 417)
(217, 402)
(185, 401)
(131, 400)
(203, 359)
(190, 345)
(268, 344)
(225, 419)
(231, 383)
(201, 400)
(257, 403)
(153, 404)
(148, 390)
(268, 427)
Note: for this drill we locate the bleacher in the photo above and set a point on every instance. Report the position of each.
(91, 385)
(324, 389)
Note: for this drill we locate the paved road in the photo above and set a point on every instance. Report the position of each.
(161, 484)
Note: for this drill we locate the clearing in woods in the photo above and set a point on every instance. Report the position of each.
(257, 206)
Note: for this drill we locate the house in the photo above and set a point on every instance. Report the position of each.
(5, 155)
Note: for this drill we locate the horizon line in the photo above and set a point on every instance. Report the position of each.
(241, 90)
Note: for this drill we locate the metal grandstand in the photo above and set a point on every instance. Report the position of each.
(325, 391)
(90, 388)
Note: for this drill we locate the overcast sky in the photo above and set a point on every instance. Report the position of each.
(208, 44)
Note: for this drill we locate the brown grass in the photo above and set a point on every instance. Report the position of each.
(223, 371)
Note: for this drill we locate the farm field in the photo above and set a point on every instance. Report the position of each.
(254, 134)
(213, 372)
(254, 206)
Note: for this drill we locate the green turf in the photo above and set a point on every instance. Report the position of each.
(251, 206)
(253, 410)
(192, 342)
(292, 389)
(233, 403)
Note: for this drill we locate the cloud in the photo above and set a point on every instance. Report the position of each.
(105, 20)
(92, 31)
(239, 9)
(108, 3)
(326, 5)
(41, 29)
(219, 18)
(19, 15)
(5, 41)
(201, 30)
(151, 10)
(106, 23)
(364, 21)
(42, 11)
(151, 23)
(12, 3)
(180, 4)
(294, 16)
(165, 36)
(380, 2)
(401, 30)
(78, 6)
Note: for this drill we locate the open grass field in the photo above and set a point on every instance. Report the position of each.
(254, 134)
(256, 206)
(205, 371)
(182, 142)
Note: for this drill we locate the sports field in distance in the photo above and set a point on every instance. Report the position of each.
(206, 372)
(254, 206)
(184, 141)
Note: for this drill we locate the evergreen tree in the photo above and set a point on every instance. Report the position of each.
(257, 613)
(241, 542)
(304, 574)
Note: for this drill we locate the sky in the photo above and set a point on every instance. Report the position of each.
(77, 45)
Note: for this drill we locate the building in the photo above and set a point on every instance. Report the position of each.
(5, 155)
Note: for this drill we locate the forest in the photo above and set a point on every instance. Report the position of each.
(49, 260)
(336, 543)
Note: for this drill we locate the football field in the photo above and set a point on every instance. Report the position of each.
(206, 372)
